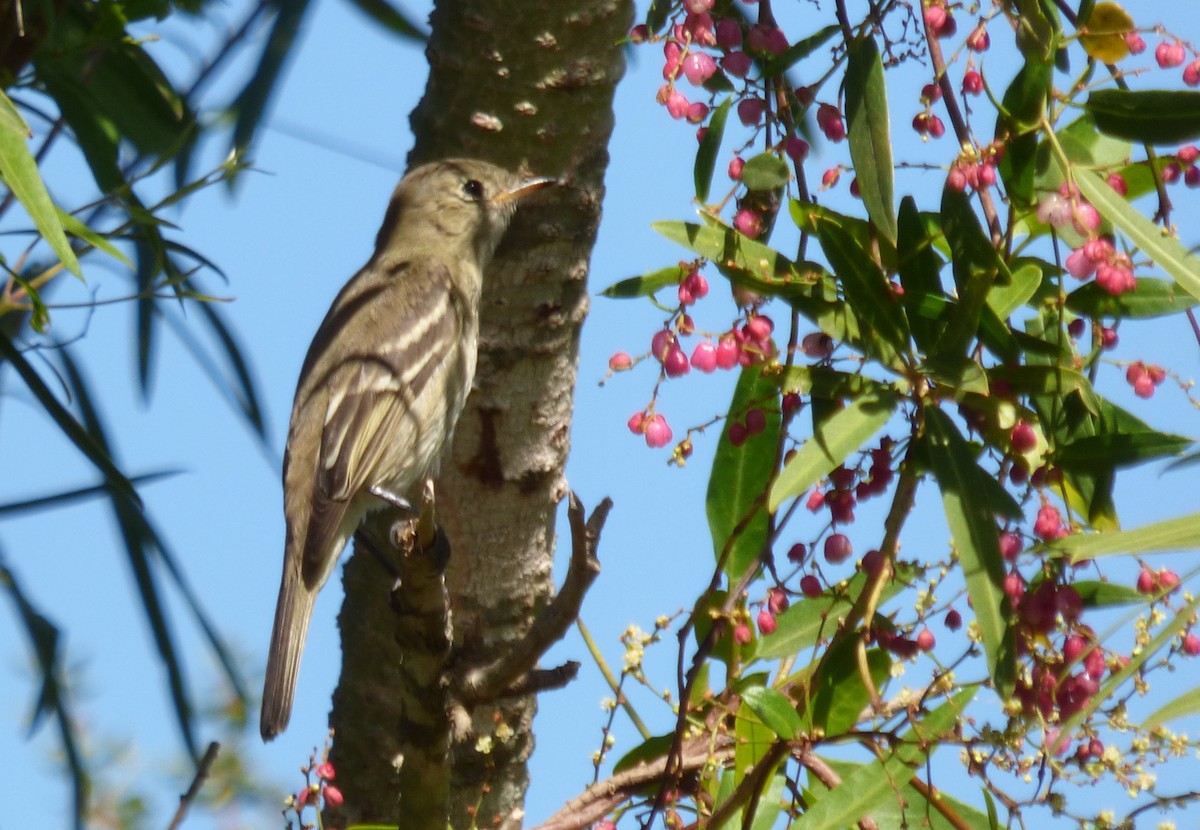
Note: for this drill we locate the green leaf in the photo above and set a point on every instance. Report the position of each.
(919, 268)
(81, 231)
(1096, 594)
(977, 266)
(646, 284)
(798, 51)
(774, 710)
(1024, 106)
(730, 250)
(897, 813)
(65, 420)
(1053, 380)
(869, 134)
(1118, 449)
(710, 149)
(868, 293)
(54, 694)
(1180, 534)
(1166, 251)
(766, 171)
(873, 785)
(391, 18)
(1186, 704)
(736, 514)
(68, 497)
(841, 695)
(1151, 298)
(976, 538)
(20, 173)
(1151, 116)
(841, 434)
(1008, 295)
(812, 217)
(251, 102)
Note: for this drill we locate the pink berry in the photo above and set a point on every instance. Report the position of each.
(1191, 73)
(1080, 265)
(829, 119)
(729, 33)
(972, 83)
(698, 67)
(830, 177)
(728, 352)
(837, 548)
(979, 40)
(1188, 153)
(810, 586)
(750, 110)
(936, 128)
(742, 635)
(816, 500)
(1048, 523)
(748, 222)
(935, 17)
(766, 622)
(1010, 545)
(325, 771)
(333, 796)
(1168, 580)
(796, 149)
(1014, 587)
(661, 343)
(1147, 583)
(1135, 43)
(777, 601)
(1171, 172)
(639, 33)
(1117, 182)
(953, 620)
(790, 404)
(1108, 338)
(1023, 438)
(637, 423)
(658, 434)
(1191, 645)
(925, 640)
(704, 356)
(759, 327)
(1170, 55)
(736, 165)
(797, 552)
(756, 421)
(1191, 177)
(738, 434)
(677, 105)
(737, 64)
(872, 561)
(620, 361)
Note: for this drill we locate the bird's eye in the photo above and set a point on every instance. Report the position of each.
(473, 189)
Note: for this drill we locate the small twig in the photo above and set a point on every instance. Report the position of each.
(501, 676)
(186, 800)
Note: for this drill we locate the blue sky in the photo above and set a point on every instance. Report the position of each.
(288, 237)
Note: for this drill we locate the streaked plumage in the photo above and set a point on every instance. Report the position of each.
(383, 384)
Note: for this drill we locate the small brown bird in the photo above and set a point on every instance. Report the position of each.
(383, 384)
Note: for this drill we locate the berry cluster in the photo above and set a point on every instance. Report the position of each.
(318, 793)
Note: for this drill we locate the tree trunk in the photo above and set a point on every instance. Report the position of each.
(525, 85)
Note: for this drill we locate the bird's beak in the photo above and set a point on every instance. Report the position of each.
(523, 189)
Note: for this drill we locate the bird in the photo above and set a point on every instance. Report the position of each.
(383, 384)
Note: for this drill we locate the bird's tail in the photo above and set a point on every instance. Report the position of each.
(292, 613)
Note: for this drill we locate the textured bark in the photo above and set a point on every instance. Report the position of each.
(525, 85)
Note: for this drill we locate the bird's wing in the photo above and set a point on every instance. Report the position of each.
(382, 402)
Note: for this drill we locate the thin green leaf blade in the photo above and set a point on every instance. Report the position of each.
(841, 434)
(976, 539)
(20, 172)
(868, 132)
(737, 517)
(1150, 116)
(710, 150)
(1179, 534)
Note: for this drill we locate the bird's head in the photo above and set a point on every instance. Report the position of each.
(454, 207)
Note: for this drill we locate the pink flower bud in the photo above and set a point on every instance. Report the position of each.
(979, 40)
(972, 83)
(736, 164)
(1135, 43)
(729, 33)
(748, 222)
(698, 67)
(796, 149)
(676, 362)
(737, 64)
(728, 352)
(1170, 55)
(677, 105)
(766, 622)
(704, 356)
(1191, 73)
(837, 548)
(620, 361)
(658, 434)
(750, 110)
(810, 586)
(637, 423)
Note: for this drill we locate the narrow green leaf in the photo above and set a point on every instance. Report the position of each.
(841, 434)
(868, 293)
(20, 172)
(977, 266)
(774, 710)
(81, 231)
(1166, 251)
(919, 267)
(65, 420)
(1120, 449)
(645, 285)
(1096, 594)
(811, 217)
(976, 539)
(1180, 534)
(766, 171)
(710, 150)
(868, 132)
(1151, 298)
(54, 695)
(874, 784)
(739, 476)
(841, 695)
(1057, 381)
(799, 51)
(1186, 704)
(728, 249)
(1024, 105)
(68, 497)
(252, 101)
(1149, 116)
